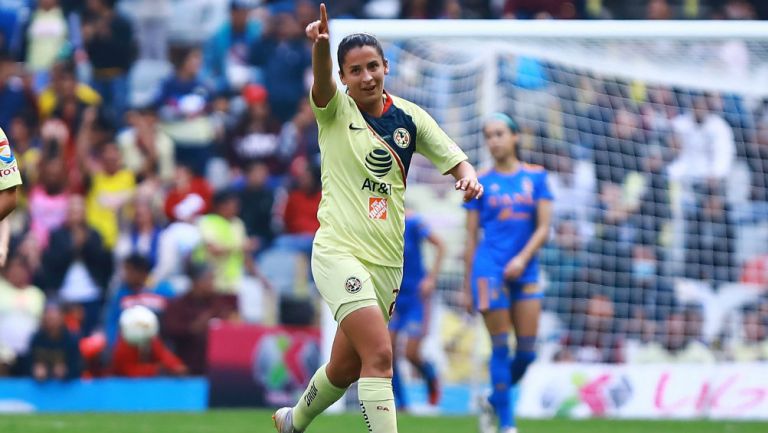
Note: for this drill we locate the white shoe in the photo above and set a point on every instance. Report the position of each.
(510, 430)
(486, 417)
(283, 419)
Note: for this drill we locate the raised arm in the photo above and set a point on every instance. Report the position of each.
(324, 86)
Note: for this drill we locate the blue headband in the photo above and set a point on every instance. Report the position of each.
(506, 119)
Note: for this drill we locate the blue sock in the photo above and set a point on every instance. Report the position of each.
(427, 371)
(397, 388)
(500, 380)
(525, 354)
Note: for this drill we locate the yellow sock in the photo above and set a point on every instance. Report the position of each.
(319, 396)
(378, 404)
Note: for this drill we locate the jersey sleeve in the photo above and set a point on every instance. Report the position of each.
(434, 143)
(10, 176)
(472, 205)
(422, 228)
(331, 110)
(541, 191)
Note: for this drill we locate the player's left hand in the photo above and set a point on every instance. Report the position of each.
(515, 268)
(427, 287)
(471, 186)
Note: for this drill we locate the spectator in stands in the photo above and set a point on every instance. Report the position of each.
(594, 338)
(757, 158)
(27, 146)
(112, 188)
(675, 345)
(21, 308)
(186, 319)
(254, 136)
(48, 201)
(752, 346)
(257, 200)
(298, 137)
(284, 57)
(16, 100)
(183, 102)
(620, 153)
(706, 150)
(610, 250)
(658, 10)
(189, 189)
(225, 243)
(655, 210)
(108, 39)
(144, 357)
(142, 236)
(76, 265)
(64, 86)
(147, 151)
(649, 290)
(152, 28)
(178, 241)
(539, 9)
(573, 185)
(562, 260)
(421, 9)
(54, 352)
(299, 214)
(135, 289)
(710, 240)
(755, 271)
(43, 37)
(226, 52)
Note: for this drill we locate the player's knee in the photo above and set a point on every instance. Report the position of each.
(378, 361)
(412, 355)
(343, 375)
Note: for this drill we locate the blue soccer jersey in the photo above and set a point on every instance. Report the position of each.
(508, 218)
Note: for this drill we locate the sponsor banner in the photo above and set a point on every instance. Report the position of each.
(252, 365)
(104, 395)
(723, 391)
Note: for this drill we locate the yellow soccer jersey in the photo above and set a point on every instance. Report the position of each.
(10, 175)
(365, 161)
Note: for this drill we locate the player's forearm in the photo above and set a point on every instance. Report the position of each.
(535, 243)
(322, 71)
(463, 170)
(8, 201)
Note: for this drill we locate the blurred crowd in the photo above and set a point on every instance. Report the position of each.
(167, 148)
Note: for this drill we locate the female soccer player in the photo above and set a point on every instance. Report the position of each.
(412, 308)
(10, 179)
(367, 138)
(502, 266)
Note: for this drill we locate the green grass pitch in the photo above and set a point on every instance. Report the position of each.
(252, 421)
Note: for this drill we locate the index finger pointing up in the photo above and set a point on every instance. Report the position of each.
(323, 15)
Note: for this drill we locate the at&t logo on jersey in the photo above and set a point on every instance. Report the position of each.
(377, 208)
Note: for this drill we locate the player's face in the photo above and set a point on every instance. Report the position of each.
(500, 139)
(363, 74)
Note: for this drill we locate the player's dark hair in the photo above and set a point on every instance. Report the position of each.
(138, 262)
(357, 40)
(514, 128)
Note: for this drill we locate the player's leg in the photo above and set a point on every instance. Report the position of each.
(366, 330)
(525, 313)
(492, 300)
(329, 382)
(416, 329)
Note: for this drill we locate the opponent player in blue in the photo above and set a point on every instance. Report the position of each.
(505, 230)
(412, 307)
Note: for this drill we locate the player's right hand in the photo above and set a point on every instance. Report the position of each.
(318, 30)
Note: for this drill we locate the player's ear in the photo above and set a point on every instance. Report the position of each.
(341, 76)
(386, 67)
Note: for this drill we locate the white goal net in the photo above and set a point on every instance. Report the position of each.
(655, 137)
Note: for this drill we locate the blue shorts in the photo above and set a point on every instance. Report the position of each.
(410, 318)
(493, 293)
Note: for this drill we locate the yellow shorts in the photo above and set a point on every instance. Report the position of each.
(347, 283)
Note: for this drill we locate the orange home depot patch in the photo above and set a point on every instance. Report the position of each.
(377, 208)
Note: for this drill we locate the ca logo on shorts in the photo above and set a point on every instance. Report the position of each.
(353, 285)
(402, 137)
